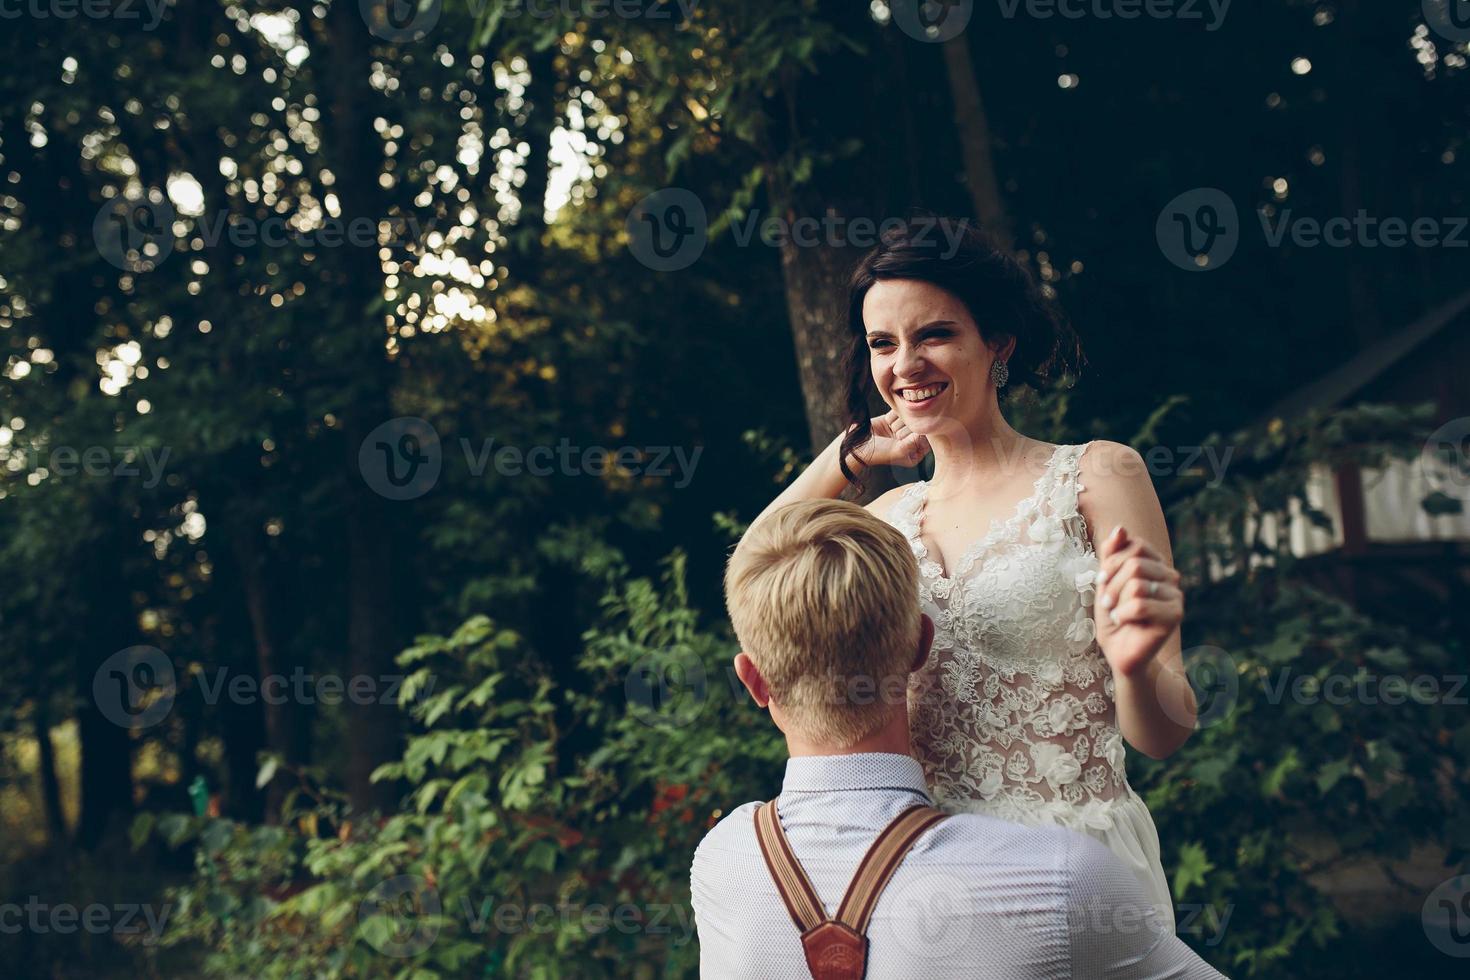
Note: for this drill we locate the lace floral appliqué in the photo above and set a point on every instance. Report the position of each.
(1014, 714)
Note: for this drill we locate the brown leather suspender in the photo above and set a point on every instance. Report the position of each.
(837, 948)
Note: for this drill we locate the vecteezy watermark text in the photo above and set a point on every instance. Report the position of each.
(1201, 229)
(1364, 231)
(403, 459)
(137, 233)
(89, 9)
(1364, 688)
(136, 688)
(566, 459)
(402, 916)
(412, 20)
(123, 919)
(121, 461)
(668, 230)
(1212, 12)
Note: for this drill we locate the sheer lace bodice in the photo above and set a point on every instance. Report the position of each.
(1014, 714)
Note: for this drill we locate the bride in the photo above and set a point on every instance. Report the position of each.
(1046, 569)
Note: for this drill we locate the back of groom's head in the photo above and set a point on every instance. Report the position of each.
(824, 600)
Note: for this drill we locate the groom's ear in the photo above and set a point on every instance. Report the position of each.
(750, 676)
(926, 640)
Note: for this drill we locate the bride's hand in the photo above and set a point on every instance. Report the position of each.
(1139, 603)
(892, 444)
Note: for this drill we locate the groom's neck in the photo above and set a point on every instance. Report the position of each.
(893, 738)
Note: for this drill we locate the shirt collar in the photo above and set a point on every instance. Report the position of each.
(860, 770)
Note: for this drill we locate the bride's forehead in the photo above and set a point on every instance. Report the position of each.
(910, 297)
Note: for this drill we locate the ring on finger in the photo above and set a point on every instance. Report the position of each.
(1153, 588)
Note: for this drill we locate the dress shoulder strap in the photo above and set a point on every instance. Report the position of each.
(1058, 494)
(837, 948)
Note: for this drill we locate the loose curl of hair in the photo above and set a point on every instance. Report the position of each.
(1000, 293)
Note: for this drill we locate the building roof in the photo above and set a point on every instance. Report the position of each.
(1345, 380)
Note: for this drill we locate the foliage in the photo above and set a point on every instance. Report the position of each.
(503, 310)
(548, 825)
(590, 789)
(1329, 741)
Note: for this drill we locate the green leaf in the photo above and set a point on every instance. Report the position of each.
(175, 828)
(1193, 867)
(542, 856)
(140, 830)
(267, 771)
(1331, 773)
(1276, 776)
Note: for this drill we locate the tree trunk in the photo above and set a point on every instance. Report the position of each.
(50, 786)
(106, 748)
(351, 147)
(527, 245)
(1361, 265)
(816, 299)
(975, 140)
(805, 119)
(279, 720)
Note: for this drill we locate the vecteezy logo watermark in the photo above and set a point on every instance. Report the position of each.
(123, 919)
(596, 9)
(1215, 680)
(1206, 921)
(667, 230)
(1449, 19)
(400, 20)
(1445, 460)
(412, 20)
(1446, 917)
(1206, 461)
(667, 687)
(1364, 688)
(400, 916)
(837, 231)
(135, 688)
(90, 9)
(303, 688)
(1364, 231)
(937, 922)
(589, 919)
(401, 458)
(1199, 230)
(121, 461)
(1183, 10)
(135, 234)
(932, 21)
(572, 460)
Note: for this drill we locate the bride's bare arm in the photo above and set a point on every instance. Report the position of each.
(1139, 604)
(890, 444)
(822, 480)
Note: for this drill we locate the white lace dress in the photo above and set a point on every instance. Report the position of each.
(1014, 713)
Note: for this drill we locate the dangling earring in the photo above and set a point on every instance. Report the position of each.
(999, 373)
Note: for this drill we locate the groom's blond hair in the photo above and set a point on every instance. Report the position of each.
(824, 598)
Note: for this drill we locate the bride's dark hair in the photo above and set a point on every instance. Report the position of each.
(1000, 293)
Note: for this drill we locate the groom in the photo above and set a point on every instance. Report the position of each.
(822, 598)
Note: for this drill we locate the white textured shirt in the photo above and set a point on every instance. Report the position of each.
(977, 897)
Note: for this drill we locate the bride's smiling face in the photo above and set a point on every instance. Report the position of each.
(928, 359)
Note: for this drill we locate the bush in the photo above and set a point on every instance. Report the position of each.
(549, 822)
